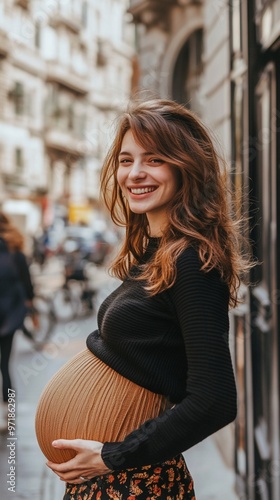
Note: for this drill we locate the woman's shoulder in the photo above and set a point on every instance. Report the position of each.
(189, 258)
(194, 284)
(189, 264)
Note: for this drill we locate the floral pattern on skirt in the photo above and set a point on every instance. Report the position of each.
(170, 480)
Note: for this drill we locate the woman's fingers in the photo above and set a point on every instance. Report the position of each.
(64, 467)
(69, 444)
(73, 476)
(87, 462)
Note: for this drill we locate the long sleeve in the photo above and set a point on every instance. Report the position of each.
(200, 302)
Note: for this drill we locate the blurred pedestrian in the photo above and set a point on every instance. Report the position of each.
(16, 294)
(156, 377)
(40, 247)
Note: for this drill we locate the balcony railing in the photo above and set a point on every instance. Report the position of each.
(60, 19)
(61, 143)
(67, 78)
(14, 180)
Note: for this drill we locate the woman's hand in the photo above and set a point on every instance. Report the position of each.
(86, 464)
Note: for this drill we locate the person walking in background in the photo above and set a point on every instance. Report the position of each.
(40, 247)
(16, 294)
(156, 377)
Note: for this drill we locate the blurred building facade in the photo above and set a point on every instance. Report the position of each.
(65, 71)
(221, 59)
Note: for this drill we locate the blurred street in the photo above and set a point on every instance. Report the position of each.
(31, 370)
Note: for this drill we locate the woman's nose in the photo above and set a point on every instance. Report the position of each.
(137, 170)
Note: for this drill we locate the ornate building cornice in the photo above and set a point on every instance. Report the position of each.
(154, 12)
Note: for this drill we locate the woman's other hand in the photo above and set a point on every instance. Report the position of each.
(85, 465)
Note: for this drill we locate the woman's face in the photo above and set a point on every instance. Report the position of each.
(147, 182)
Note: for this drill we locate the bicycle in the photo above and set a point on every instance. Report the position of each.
(75, 299)
(39, 321)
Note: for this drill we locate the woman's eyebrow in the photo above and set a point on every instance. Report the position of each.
(124, 153)
(143, 154)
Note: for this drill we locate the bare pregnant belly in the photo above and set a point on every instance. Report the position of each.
(86, 399)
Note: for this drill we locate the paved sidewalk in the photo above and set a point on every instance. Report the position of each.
(213, 480)
(31, 370)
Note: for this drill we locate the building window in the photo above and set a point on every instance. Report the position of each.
(37, 38)
(267, 19)
(17, 96)
(187, 73)
(70, 117)
(18, 160)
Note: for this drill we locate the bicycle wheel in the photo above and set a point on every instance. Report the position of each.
(39, 323)
(86, 306)
(65, 303)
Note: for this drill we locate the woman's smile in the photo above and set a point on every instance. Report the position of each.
(141, 190)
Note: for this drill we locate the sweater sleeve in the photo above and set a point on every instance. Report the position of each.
(200, 301)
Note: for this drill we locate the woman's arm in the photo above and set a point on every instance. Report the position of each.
(201, 304)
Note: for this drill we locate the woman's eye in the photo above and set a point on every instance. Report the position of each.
(155, 160)
(124, 161)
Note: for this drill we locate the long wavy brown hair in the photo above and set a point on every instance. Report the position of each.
(10, 234)
(200, 215)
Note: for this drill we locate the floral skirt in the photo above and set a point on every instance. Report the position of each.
(169, 480)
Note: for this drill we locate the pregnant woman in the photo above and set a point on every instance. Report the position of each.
(156, 377)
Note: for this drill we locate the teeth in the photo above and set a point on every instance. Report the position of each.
(142, 190)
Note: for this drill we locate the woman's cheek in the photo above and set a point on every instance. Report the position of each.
(119, 178)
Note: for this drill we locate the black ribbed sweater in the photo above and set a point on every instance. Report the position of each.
(176, 344)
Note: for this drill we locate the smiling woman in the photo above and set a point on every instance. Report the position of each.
(147, 181)
(157, 376)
